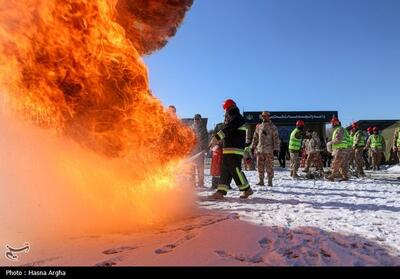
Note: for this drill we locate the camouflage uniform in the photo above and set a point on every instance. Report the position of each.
(313, 146)
(376, 151)
(369, 153)
(345, 169)
(202, 143)
(358, 149)
(294, 161)
(396, 143)
(265, 142)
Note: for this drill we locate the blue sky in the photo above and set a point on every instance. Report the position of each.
(288, 55)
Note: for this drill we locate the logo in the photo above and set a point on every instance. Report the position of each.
(11, 254)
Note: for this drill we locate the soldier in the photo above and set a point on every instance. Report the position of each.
(313, 147)
(352, 151)
(358, 149)
(172, 110)
(368, 151)
(340, 146)
(234, 136)
(376, 144)
(295, 144)
(396, 143)
(201, 146)
(266, 144)
(346, 164)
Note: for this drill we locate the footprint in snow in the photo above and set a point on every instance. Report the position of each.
(110, 262)
(264, 242)
(118, 250)
(170, 247)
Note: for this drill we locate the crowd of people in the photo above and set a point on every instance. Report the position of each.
(349, 152)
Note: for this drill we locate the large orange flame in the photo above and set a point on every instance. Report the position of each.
(74, 67)
(69, 65)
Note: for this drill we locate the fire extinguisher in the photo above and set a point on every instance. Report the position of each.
(216, 161)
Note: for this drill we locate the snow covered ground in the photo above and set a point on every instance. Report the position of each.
(304, 222)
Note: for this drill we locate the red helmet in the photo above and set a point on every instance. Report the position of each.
(228, 103)
(354, 125)
(370, 129)
(375, 129)
(300, 123)
(335, 121)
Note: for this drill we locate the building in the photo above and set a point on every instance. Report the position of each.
(286, 121)
(387, 128)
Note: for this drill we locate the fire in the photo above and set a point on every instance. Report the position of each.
(74, 68)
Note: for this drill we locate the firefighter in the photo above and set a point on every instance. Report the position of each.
(234, 135)
(358, 149)
(396, 143)
(295, 144)
(340, 146)
(266, 144)
(376, 144)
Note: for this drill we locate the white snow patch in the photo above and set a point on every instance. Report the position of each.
(395, 169)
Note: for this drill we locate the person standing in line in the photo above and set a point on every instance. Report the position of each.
(313, 147)
(358, 149)
(266, 144)
(340, 144)
(295, 145)
(352, 151)
(368, 151)
(396, 143)
(376, 144)
(201, 147)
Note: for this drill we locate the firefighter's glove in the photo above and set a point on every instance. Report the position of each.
(213, 142)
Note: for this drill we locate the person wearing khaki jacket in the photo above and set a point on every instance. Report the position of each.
(202, 141)
(340, 146)
(266, 143)
(313, 147)
(358, 149)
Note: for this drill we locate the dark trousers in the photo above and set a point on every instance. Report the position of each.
(327, 160)
(232, 169)
(366, 160)
(282, 159)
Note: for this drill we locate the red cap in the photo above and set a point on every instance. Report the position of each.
(335, 121)
(354, 125)
(228, 104)
(300, 123)
(369, 129)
